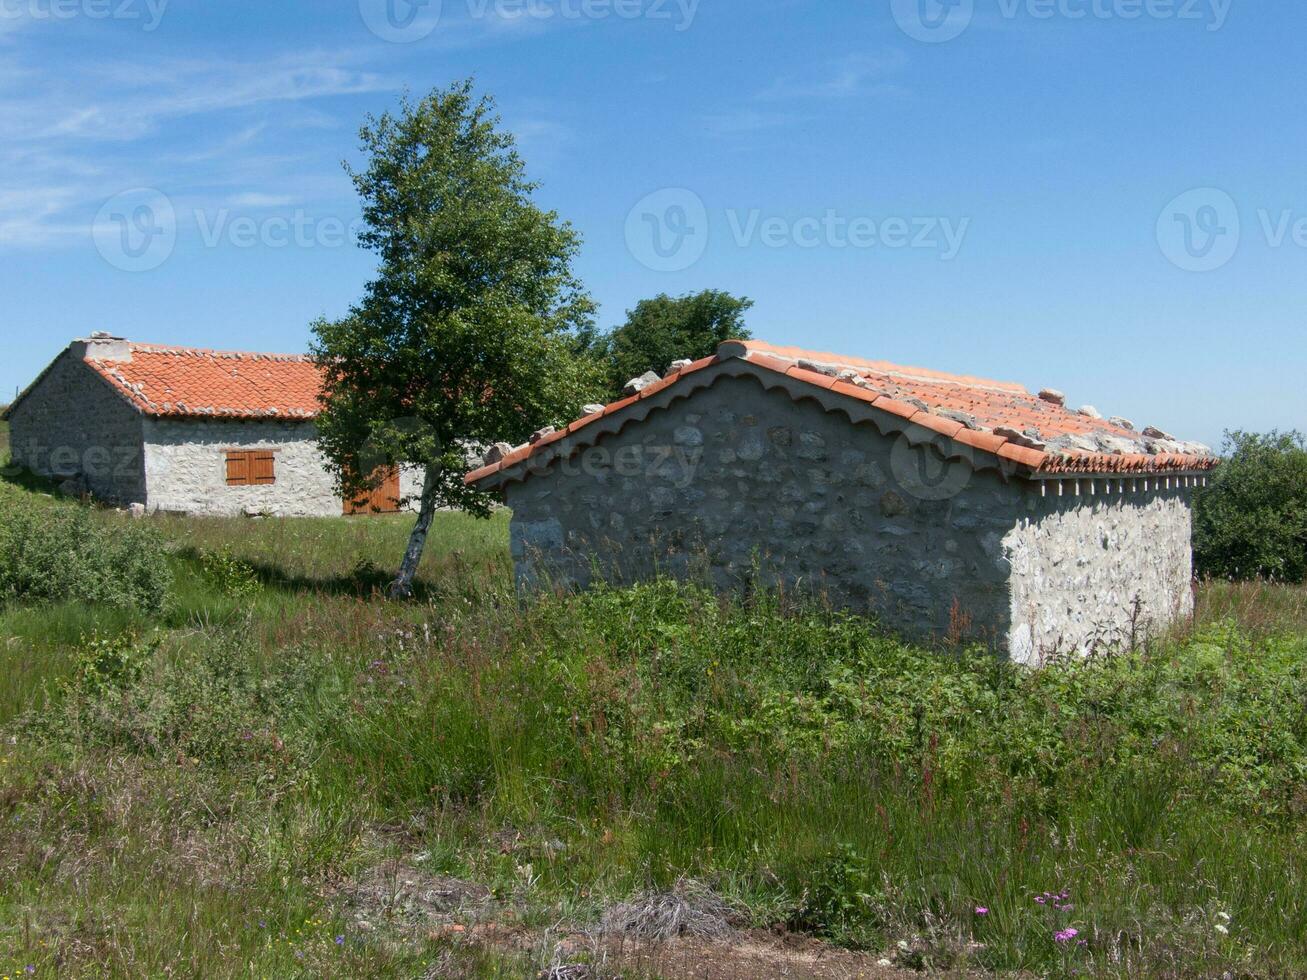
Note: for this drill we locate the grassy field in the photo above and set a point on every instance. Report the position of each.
(276, 773)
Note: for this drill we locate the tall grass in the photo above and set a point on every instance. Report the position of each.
(194, 791)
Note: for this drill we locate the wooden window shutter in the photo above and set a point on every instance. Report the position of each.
(262, 468)
(238, 469)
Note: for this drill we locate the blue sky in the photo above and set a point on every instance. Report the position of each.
(1103, 196)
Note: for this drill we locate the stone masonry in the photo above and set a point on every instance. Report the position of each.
(72, 425)
(96, 419)
(739, 480)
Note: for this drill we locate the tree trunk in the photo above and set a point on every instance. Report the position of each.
(402, 587)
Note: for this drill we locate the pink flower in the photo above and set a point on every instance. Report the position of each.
(1066, 935)
(981, 910)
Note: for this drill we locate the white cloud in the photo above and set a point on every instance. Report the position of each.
(255, 199)
(133, 102)
(746, 121)
(856, 75)
(70, 141)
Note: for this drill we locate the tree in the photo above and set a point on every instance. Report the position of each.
(663, 329)
(1251, 520)
(466, 335)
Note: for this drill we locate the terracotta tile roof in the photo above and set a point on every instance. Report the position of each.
(188, 382)
(1035, 434)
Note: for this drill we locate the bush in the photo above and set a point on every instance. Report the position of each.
(58, 553)
(211, 703)
(1252, 520)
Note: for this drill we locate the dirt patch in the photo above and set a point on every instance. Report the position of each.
(755, 956)
(397, 891)
(739, 955)
(685, 933)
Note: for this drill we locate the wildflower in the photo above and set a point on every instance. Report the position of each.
(1040, 899)
(981, 910)
(340, 940)
(1066, 935)
(1222, 930)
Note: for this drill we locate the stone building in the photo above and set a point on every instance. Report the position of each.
(945, 505)
(185, 430)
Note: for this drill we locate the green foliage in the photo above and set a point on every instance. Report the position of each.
(842, 900)
(210, 704)
(465, 334)
(54, 553)
(1251, 521)
(664, 329)
(232, 575)
(111, 663)
(258, 760)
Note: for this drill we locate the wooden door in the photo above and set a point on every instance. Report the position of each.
(383, 500)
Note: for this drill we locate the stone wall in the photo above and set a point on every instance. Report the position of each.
(1100, 571)
(186, 469)
(737, 478)
(71, 423)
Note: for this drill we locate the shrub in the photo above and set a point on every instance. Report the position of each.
(211, 703)
(1252, 520)
(842, 900)
(58, 553)
(235, 577)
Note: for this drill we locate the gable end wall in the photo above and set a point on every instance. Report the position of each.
(71, 423)
(737, 475)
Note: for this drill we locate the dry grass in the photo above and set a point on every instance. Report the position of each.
(688, 908)
(1260, 608)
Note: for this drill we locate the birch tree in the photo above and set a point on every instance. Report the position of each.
(466, 334)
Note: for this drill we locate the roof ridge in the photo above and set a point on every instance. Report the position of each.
(882, 367)
(234, 355)
(1056, 446)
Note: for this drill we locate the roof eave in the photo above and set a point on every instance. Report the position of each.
(983, 449)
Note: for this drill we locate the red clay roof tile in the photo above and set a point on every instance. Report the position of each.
(987, 405)
(187, 382)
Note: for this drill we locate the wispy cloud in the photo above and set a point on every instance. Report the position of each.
(105, 127)
(859, 74)
(133, 104)
(746, 121)
(256, 199)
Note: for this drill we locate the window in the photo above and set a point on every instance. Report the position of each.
(250, 468)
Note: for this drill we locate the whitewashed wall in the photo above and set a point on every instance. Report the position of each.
(186, 469)
(1099, 572)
